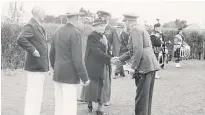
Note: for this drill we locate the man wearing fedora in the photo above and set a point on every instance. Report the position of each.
(67, 60)
(144, 64)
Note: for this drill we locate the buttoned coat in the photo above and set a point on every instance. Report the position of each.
(140, 51)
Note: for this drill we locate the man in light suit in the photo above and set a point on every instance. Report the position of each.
(67, 60)
(144, 64)
(33, 40)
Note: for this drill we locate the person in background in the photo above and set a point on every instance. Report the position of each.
(144, 64)
(158, 45)
(124, 37)
(67, 60)
(33, 39)
(113, 48)
(178, 44)
(97, 61)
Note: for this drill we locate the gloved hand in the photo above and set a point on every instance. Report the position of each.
(36, 53)
(87, 83)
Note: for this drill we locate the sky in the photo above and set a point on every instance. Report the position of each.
(192, 12)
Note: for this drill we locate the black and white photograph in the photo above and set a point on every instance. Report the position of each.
(106, 57)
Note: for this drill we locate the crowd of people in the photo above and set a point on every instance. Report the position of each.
(107, 46)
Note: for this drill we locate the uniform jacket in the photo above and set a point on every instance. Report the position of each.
(140, 51)
(32, 38)
(66, 55)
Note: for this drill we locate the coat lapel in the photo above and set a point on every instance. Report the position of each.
(39, 28)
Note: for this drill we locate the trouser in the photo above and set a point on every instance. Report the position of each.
(82, 94)
(65, 99)
(119, 70)
(177, 55)
(143, 100)
(34, 93)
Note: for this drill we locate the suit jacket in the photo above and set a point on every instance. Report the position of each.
(140, 51)
(113, 39)
(32, 38)
(66, 55)
(124, 37)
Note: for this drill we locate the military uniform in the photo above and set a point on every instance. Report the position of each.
(144, 63)
(178, 42)
(158, 45)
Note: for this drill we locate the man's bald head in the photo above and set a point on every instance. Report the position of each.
(38, 12)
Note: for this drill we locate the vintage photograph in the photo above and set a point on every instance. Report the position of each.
(103, 57)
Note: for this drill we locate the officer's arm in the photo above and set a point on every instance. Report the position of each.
(126, 56)
(137, 47)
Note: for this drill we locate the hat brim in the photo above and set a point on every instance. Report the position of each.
(75, 14)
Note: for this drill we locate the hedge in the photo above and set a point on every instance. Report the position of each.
(13, 56)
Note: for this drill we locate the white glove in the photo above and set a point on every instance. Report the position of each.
(36, 53)
(87, 83)
(131, 71)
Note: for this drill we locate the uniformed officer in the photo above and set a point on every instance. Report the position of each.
(144, 64)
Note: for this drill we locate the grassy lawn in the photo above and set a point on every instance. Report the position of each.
(180, 91)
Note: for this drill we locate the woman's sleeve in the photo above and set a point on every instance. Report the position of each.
(95, 50)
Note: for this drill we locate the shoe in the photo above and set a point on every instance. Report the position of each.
(100, 113)
(162, 66)
(178, 65)
(157, 77)
(122, 74)
(90, 109)
(107, 104)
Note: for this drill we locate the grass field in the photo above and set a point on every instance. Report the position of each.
(180, 91)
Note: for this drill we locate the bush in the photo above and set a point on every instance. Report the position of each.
(13, 56)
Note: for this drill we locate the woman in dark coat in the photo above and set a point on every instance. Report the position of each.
(96, 61)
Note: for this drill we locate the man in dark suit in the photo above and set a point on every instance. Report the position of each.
(144, 64)
(113, 47)
(33, 40)
(124, 37)
(67, 60)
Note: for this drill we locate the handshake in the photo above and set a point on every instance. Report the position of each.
(115, 60)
